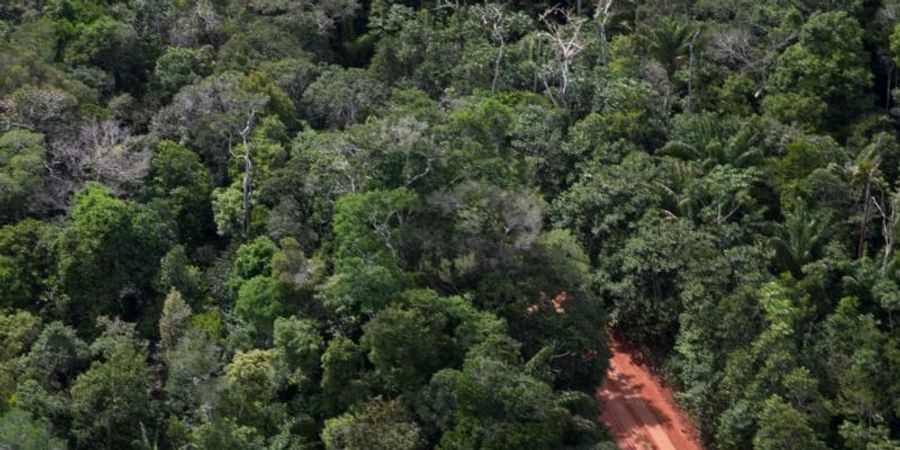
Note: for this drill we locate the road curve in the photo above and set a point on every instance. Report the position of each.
(639, 411)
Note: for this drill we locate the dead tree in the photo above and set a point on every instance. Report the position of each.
(492, 17)
(868, 172)
(749, 51)
(33, 108)
(886, 17)
(889, 220)
(602, 14)
(690, 98)
(734, 46)
(565, 36)
(247, 158)
(887, 209)
(99, 150)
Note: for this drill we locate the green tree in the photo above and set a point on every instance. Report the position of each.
(249, 391)
(92, 244)
(420, 334)
(340, 97)
(712, 139)
(629, 109)
(606, 201)
(800, 238)
(179, 186)
(645, 275)
(19, 431)
(177, 272)
(209, 116)
(343, 363)
(56, 356)
(299, 345)
(178, 67)
(828, 65)
(228, 211)
(174, 319)
(226, 434)
(113, 46)
(492, 404)
(669, 42)
(190, 354)
(782, 427)
(24, 69)
(22, 159)
(555, 310)
(27, 265)
(18, 331)
(260, 300)
(378, 425)
(254, 258)
(111, 401)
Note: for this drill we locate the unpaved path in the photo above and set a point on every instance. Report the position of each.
(640, 412)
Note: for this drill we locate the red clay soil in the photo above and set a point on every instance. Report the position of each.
(639, 411)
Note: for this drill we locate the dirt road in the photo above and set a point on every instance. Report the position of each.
(640, 412)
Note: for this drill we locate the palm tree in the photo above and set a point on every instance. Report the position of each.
(670, 41)
(801, 236)
(706, 145)
(865, 173)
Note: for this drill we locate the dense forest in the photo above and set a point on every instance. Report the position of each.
(402, 225)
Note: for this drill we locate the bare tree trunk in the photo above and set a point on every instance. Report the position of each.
(690, 99)
(604, 45)
(602, 14)
(495, 21)
(497, 68)
(888, 226)
(247, 181)
(565, 35)
(667, 109)
(867, 168)
(534, 53)
(887, 94)
(245, 196)
(861, 249)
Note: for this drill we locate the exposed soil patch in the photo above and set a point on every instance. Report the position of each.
(639, 410)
